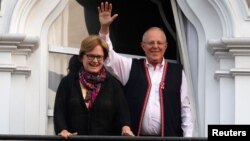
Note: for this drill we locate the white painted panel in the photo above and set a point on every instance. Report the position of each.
(19, 60)
(242, 99)
(4, 101)
(242, 61)
(32, 97)
(17, 104)
(227, 102)
(226, 64)
(5, 58)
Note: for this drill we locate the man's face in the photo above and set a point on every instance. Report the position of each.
(154, 46)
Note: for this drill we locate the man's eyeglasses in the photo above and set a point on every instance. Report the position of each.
(91, 57)
(151, 43)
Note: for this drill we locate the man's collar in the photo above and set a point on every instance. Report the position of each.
(161, 64)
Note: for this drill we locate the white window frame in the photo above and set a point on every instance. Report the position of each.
(63, 50)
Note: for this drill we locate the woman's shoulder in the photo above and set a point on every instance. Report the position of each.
(69, 78)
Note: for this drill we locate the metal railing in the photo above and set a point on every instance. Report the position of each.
(96, 138)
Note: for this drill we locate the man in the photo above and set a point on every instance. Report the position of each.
(156, 89)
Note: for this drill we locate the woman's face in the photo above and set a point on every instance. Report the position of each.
(93, 60)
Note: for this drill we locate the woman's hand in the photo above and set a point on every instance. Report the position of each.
(65, 134)
(126, 131)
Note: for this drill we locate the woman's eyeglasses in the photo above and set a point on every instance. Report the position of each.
(91, 57)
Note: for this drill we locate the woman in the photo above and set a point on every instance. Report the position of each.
(91, 101)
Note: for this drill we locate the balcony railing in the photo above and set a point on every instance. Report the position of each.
(96, 138)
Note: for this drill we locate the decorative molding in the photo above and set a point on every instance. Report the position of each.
(237, 42)
(18, 43)
(222, 74)
(22, 70)
(237, 46)
(240, 72)
(215, 46)
(11, 39)
(225, 13)
(20, 15)
(28, 45)
(231, 73)
(25, 52)
(30, 42)
(240, 52)
(7, 48)
(7, 67)
(229, 46)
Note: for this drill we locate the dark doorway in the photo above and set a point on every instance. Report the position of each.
(135, 17)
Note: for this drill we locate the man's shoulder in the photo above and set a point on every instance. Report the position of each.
(175, 68)
(175, 64)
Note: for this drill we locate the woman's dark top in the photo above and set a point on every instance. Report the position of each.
(107, 116)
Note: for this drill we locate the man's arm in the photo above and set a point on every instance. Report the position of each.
(116, 64)
(186, 114)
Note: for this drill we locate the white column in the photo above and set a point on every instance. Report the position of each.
(234, 77)
(242, 89)
(240, 49)
(19, 89)
(226, 83)
(226, 96)
(5, 83)
(14, 71)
